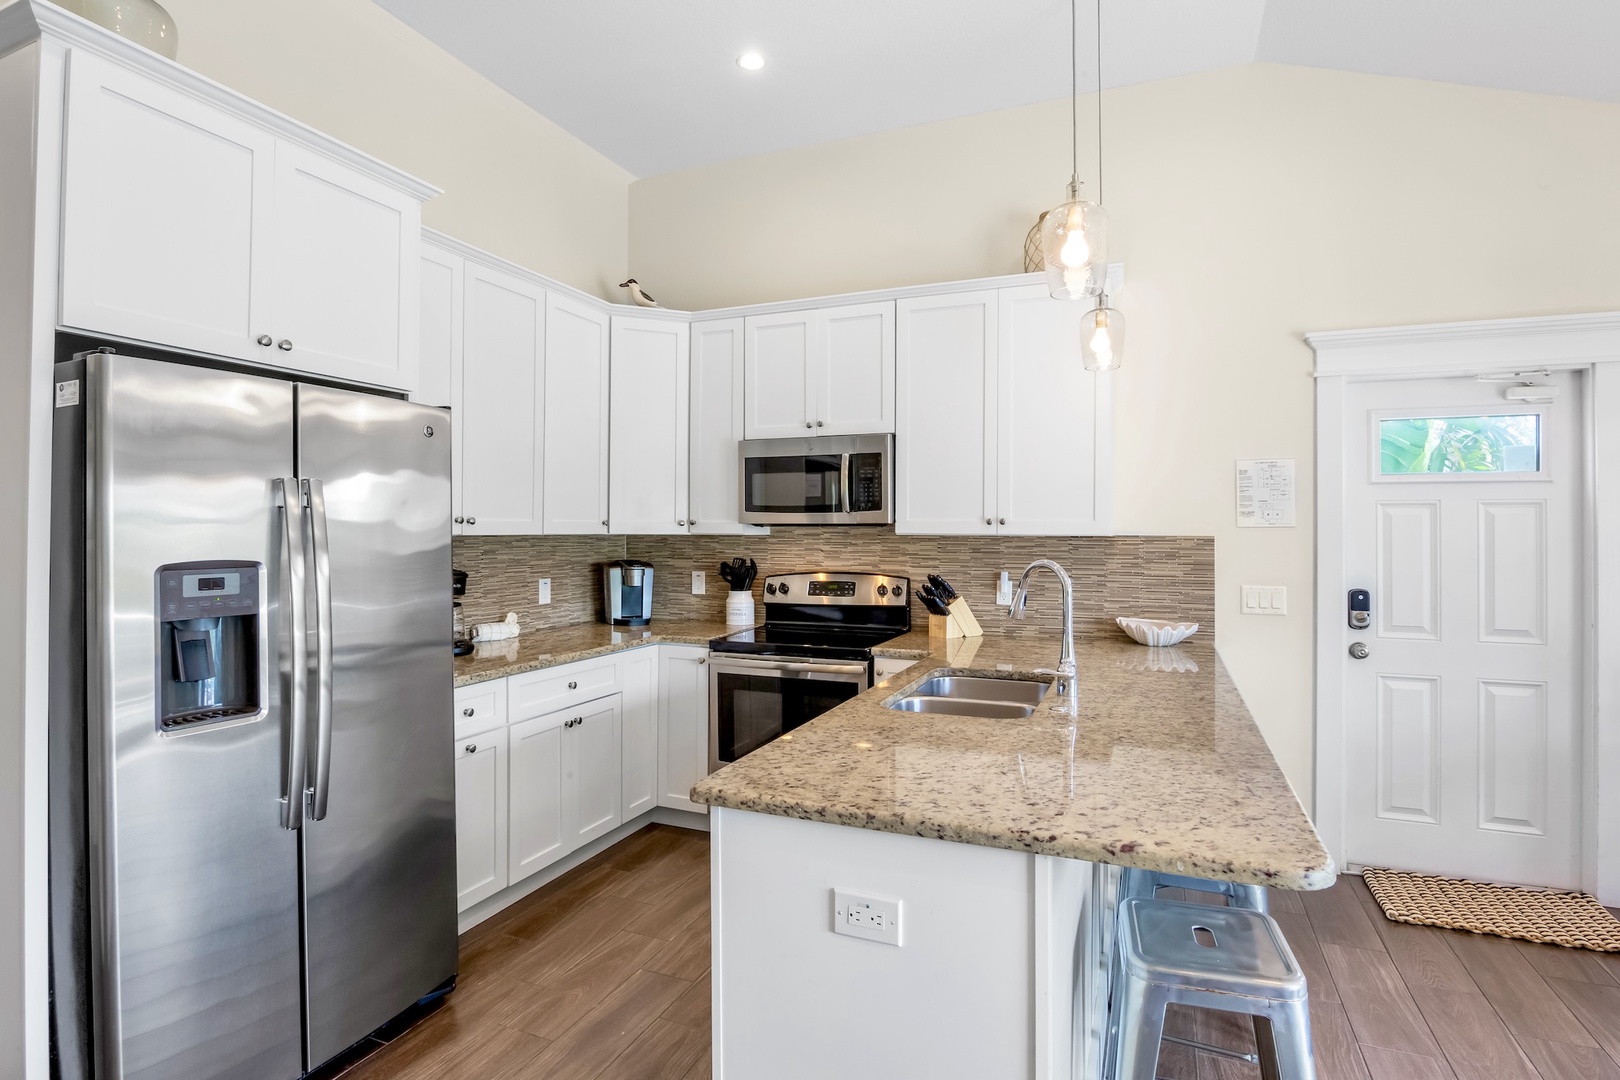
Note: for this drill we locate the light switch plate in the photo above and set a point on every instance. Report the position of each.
(700, 582)
(544, 596)
(1265, 600)
(866, 917)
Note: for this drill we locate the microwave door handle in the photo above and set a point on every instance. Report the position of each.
(295, 656)
(321, 782)
(843, 483)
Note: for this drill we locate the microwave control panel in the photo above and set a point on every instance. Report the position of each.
(865, 482)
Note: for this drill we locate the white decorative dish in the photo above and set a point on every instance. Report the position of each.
(1157, 632)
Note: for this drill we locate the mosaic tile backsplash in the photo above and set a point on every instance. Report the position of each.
(1161, 577)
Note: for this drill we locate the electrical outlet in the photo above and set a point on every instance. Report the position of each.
(545, 591)
(1265, 600)
(866, 917)
(700, 582)
(1004, 589)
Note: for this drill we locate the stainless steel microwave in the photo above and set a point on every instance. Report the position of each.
(831, 480)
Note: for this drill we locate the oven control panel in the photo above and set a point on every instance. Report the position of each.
(838, 587)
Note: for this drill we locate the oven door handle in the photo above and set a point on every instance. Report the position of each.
(784, 666)
(843, 484)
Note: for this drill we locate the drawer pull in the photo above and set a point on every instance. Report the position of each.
(573, 685)
(468, 711)
(472, 748)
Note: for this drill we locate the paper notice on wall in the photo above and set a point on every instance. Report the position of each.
(1265, 493)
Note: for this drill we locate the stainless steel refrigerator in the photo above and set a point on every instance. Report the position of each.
(252, 790)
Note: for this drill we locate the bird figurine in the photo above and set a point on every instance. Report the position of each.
(641, 298)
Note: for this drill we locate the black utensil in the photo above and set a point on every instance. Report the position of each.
(931, 601)
(943, 590)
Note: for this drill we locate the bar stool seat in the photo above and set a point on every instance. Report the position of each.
(1139, 882)
(1225, 958)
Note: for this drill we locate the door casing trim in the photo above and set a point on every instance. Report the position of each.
(1589, 343)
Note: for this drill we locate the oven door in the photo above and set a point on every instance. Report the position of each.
(754, 700)
(832, 480)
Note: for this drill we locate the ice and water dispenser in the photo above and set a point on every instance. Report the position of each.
(209, 624)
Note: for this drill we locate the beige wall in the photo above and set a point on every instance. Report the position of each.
(514, 183)
(1250, 205)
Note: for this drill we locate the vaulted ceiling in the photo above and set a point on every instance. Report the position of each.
(653, 84)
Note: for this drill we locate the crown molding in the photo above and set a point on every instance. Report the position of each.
(24, 21)
(1486, 345)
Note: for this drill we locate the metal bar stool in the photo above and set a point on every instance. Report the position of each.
(1224, 958)
(1138, 882)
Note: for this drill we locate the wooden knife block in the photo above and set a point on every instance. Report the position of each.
(960, 623)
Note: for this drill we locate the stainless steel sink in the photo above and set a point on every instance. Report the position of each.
(960, 695)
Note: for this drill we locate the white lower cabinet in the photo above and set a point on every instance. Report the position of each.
(891, 665)
(480, 817)
(536, 836)
(591, 745)
(683, 728)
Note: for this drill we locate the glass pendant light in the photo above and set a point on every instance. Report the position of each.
(1074, 236)
(1102, 337)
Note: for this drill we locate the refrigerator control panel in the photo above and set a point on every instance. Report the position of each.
(195, 594)
(209, 645)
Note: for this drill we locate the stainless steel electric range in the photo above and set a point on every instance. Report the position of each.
(813, 652)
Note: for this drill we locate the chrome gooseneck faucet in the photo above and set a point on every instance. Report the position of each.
(1066, 681)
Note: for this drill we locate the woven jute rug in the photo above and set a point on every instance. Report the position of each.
(1571, 919)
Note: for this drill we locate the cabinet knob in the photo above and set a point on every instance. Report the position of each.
(468, 711)
(573, 686)
(703, 659)
(987, 521)
(472, 521)
(681, 523)
(460, 520)
(818, 423)
(1003, 521)
(264, 339)
(604, 523)
(285, 345)
(808, 424)
(472, 748)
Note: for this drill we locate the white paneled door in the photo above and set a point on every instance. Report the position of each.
(1463, 692)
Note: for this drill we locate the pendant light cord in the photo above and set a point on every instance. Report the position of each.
(1099, 106)
(1074, 94)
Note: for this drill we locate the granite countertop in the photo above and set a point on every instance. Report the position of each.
(536, 649)
(1160, 766)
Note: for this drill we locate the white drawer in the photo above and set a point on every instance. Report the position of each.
(537, 692)
(892, 665)
(480, 707)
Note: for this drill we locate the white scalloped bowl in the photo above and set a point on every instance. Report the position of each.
(1157, 632)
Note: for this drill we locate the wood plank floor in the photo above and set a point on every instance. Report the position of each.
(604, 975)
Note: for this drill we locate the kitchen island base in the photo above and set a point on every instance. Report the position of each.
(1001, 970)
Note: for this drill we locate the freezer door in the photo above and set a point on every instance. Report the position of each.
(379, 832)
(194, 879)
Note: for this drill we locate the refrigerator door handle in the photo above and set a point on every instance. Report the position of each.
(295, 658)
(321, 782)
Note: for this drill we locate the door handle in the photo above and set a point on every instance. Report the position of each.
(1358, 651)
(321, 788)
(294, 646)
(843, 483)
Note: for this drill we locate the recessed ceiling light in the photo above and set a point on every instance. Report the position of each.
(750, 61)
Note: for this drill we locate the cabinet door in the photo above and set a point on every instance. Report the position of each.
(538, 835)
(777, 383)
(1051, 410)
(717, 426)
(945, 411)
(683, 725)
(343, 272)
(576, 417)
(439, 324)
(853, 370)
(647, 438)
(480, 817)
(591, 770)
(638, 702)
(502, 398)
(166, 207)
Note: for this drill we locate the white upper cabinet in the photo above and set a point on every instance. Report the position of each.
(1001, 428)
(439, 322)
(822, 372)
(945, 442)
(343, 272)
(187, 226)
(166, 209)
(853, 372)
(576, 417)
(650, 381)
(502, 398)
(1054, 423)
(717, 427)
